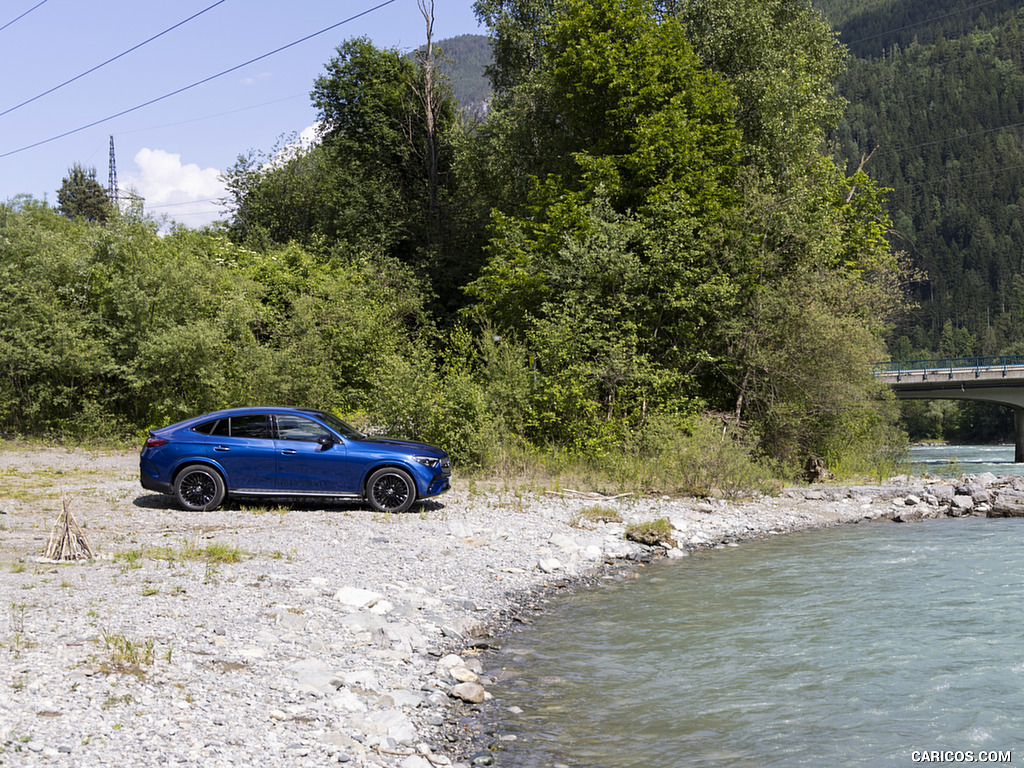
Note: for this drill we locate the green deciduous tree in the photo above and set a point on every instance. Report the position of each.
(380, 178)
(606, 271)
(106, 329)
(781, 59)
(680, 238)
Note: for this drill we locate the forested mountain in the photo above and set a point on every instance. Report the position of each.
(870, 27)
(464, 61)
(936, 102)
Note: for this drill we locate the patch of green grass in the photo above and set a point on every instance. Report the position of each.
(17, 641)
(264, 510)
(651, 533)
(218, 552)
(125, 655)
(130, 559)
(113, 701)
(593, 515)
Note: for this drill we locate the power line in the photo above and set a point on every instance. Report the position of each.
(187, 202)
(919, 23)
(211, 117)
(108, 61)
(196, 84)
(26, 13)
(883, 151)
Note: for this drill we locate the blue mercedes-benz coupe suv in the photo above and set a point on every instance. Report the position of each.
(287, 452)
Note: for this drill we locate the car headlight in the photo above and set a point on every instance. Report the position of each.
(427, 461)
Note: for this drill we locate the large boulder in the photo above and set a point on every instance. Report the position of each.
(1007, 505)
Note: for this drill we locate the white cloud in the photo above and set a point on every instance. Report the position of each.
(185, 193)
(254, 80)
(310, 135)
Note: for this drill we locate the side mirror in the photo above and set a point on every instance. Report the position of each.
(326, 441)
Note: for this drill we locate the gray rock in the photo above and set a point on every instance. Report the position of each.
(1006, 506)
(963, 502)
(549, 564)
(471, 692)
(397, 724)
(908, 515)
(314, 674)
(354, 597)
(401, 637)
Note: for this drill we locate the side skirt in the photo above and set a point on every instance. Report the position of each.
(284, 492)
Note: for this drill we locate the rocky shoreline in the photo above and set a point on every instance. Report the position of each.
(302, 635)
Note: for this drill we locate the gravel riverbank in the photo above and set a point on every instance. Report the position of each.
(303, 635)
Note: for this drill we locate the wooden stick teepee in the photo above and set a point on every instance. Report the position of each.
(68, 540)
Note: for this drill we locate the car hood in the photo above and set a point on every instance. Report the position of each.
(406, 446)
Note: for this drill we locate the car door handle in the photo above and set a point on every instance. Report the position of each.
(221, 448)
(289, 452)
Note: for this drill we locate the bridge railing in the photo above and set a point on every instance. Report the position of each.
(949, 366)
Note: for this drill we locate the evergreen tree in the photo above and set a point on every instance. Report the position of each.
(81, 196)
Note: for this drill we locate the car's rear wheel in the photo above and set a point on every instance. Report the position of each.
(391, 490)
(199, 487)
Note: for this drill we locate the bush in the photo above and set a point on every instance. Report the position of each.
(703, 456)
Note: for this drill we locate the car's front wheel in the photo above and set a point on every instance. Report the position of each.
(391, 490)
(199, 487)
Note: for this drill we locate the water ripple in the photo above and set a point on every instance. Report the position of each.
(852, 646)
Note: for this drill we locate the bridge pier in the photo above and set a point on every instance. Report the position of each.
(1018, 429)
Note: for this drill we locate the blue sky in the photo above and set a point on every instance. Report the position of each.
(171, 152)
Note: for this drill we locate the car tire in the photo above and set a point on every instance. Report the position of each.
(199, 488)
(391, 489)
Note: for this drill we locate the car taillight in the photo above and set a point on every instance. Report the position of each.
(155, 442)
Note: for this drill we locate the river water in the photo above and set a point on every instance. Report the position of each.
(954, 460)
(868, 645)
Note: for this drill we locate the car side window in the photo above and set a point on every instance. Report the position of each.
(206, 428)
(254, 426)
(297, 428)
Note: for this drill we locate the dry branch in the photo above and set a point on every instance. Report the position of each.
(589, 495)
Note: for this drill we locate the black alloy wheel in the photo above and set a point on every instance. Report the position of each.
(198, 488)
(390, 490)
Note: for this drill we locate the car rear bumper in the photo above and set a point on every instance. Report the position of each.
(152, 484)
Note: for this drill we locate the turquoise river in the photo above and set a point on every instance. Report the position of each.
(875, 644)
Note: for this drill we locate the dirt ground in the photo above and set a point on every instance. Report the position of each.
(102, 490)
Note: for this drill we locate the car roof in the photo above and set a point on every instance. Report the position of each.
(241, 411)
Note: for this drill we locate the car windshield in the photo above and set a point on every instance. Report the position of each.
(339, 426)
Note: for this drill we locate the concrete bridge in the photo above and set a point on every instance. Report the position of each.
(987, 379)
